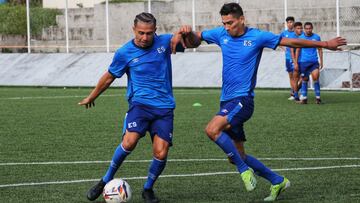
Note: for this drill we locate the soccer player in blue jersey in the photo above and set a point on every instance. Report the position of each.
(309, 64)
(298, 31)
(241, 51)
(147, 63)
(289, 53)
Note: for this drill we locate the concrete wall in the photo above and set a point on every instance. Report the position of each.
(71, 3)
(87, 25)
(199, 69)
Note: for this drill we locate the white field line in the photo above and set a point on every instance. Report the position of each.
(179, 92)
(174, 176)
(174, 160)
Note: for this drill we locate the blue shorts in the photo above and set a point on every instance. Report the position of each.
(289, 65)
(307, 67)
(158, 121)
(238, 111)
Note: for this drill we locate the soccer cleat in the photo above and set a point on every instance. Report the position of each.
(291, 98)
(249, 179)
(304, 101)
(96, 190)
(275, 190)
(149, 196)
(318, 101)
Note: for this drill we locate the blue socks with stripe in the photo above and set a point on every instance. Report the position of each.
(226, 144)
(304, 89)
(261, 170)
(317, 89)
(119, 156)
(156, 167)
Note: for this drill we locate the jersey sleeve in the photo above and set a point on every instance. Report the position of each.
(118, 66)
(270, 40)
(212, 36)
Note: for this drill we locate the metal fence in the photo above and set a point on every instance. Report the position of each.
(106, 26)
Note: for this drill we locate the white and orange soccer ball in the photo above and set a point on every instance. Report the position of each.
(117, 191)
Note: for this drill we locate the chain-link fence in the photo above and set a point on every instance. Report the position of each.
(100, 28)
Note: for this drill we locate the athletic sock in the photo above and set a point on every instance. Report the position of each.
(156, 167)
(304, 89)
(119, 156)
(261, 170)
(317, 89)
(226, 144)
(296, 95)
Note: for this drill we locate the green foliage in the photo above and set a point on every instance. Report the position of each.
(13, 19)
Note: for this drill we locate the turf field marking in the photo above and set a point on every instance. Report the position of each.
(178, 92)
(174, 160)
(174, 176)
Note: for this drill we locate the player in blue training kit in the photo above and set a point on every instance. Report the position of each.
(147, 62)
(298, 31)
(241, 50)
(309, 64)
(290, 53)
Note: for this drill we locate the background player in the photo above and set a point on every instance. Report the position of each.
(298, 31)
(290, 53)
(309, 64)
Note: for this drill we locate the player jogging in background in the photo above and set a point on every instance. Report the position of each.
(309, 64)
(147, 62)
(290, 53)
(242, 48)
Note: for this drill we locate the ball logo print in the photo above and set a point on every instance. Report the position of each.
(117, 191)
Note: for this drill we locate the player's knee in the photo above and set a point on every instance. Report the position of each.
(128, 145)
(212, 132)
(160, 154)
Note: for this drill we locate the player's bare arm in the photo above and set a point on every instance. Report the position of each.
(187, 37)
(333, 44)
(104, 82)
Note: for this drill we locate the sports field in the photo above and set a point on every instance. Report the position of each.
(52, 150)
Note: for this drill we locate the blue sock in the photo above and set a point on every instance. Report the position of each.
(296, 95)
(317, 89)
(304, 88)
(226, 144)
(261, 170)
(119, 156)
(156, 167)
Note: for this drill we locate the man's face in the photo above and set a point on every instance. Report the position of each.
(234, 26)
(290, 24)
(308, 30)
(144, 34)
(298, 30)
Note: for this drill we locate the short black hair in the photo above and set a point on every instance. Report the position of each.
(146, 18)
(290, 18)
(296, 24)
(308, 23)
(231, 8)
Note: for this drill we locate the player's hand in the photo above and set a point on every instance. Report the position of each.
(335, 43)
(321, 66)
(185, 29)
(87, 103)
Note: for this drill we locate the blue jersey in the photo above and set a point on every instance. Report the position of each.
(288, 34)
(309, 54)
(148, 71)
(241, 58)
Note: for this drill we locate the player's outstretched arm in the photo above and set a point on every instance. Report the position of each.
(104, 82)
(333, 44)
(187, 37)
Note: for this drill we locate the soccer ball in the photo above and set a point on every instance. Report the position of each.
(117, 191)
